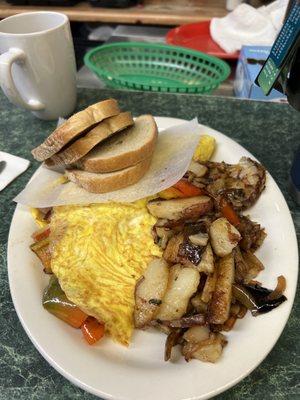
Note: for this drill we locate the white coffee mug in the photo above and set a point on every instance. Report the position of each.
(37, 63)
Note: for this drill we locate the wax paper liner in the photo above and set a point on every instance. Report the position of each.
(172, 156)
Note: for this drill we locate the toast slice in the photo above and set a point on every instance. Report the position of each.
(110, 181)
(71, 154)
(74, 126)
(129, 147)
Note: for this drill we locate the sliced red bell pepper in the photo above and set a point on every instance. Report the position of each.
(188, 189)
(41, 234)
(182, 188)
(228, 212)
(170, 193)
(92, 330)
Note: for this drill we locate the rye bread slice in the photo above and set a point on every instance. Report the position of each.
(125, 149)
(74, 126)
(74, 152)
(110, 181)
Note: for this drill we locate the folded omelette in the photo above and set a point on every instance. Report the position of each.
(99, 252)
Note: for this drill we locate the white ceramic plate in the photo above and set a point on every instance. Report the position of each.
(139, 372)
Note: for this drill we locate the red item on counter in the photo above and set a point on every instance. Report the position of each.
(196, 36)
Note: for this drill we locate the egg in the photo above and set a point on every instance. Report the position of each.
(99, 252)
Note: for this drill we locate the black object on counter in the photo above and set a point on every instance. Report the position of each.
(60, 3)
(281, 69)
(18, 2)
(113, 3)
(254, 61)
(82, 43)
(295, 177)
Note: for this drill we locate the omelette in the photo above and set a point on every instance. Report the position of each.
(99, 251)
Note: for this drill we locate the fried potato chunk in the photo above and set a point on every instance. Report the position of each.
(150, 290)
(219, 307)
(224, 237)
(182, 284)
(175, 209)
(207, 263)
(209, 287)
(207, 350)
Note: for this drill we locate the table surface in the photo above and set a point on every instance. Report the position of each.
(269, 131)
(157, 12)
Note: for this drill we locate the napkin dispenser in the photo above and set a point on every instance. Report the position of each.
(251, 59)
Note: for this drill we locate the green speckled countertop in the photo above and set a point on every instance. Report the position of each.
(271, 132)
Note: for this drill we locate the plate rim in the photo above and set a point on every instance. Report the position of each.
(79, 383)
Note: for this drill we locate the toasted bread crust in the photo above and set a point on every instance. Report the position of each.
(103, 183)
(122, 160)
(84, 144)
(74, 126)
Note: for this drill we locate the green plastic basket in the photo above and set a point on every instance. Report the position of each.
(156, 67)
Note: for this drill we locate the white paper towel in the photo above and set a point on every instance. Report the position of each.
(246, 25)
(14, 167)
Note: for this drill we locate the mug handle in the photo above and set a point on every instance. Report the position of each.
(7, 83)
